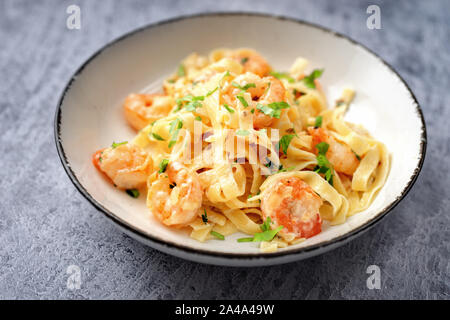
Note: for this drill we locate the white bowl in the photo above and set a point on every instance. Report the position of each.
(89, 117)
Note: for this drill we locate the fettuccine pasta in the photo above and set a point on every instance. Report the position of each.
(233, 146)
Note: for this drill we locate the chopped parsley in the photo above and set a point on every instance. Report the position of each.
(322, 147)
(198, 118)
(163, 165)
(281, 169)
(133, 193)
(242, 100)
(244, 60)
(181, 70)
(318, 122)
(309, 80)
(267, 234)
(217, 235)
(243, 88)
(178, 108)
(115, 145)
(157, 137)
(227, 74)
(212, 91)
(283, 75)
(356, 155)
(175, 127)
(242, 132)
(273, 109)
(193, 105)
(266, 224)
(285, 141)
(205, 217)
(192, 102)
(229, 109)
(323, 165)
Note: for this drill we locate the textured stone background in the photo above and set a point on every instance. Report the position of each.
(46, 225)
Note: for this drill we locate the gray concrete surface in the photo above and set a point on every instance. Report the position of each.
(46, 225)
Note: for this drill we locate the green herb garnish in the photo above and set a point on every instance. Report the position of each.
(267, 234)
(285, 141)
(266, 224)
(230, 110)
(318, 122)
(242, 100)
(212, 91)
(175, 127)
(244, 60)
(163, 165)
(192, 106)
(217, 235)
(115, 145)
(205, 217)
(133, 193)
(198, 118)
(193, 102)
(243, 88)
(273, 109)
(323, 165)
(281, 169)
(356, 155)
(322, 147)
(227, 74)
(309, 80)
(281, 75)
(157, 137)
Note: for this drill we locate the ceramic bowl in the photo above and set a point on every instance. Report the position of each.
(89, 116)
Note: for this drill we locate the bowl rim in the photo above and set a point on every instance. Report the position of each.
(320, 247)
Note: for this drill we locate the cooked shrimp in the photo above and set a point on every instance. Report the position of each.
(340, 155)
(293, 204)
(266, 90)
(175, 198)
(252, 62)
(127, 165)
(143, 109)
(272, 91)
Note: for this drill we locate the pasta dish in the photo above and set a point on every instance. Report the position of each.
(231, 145)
